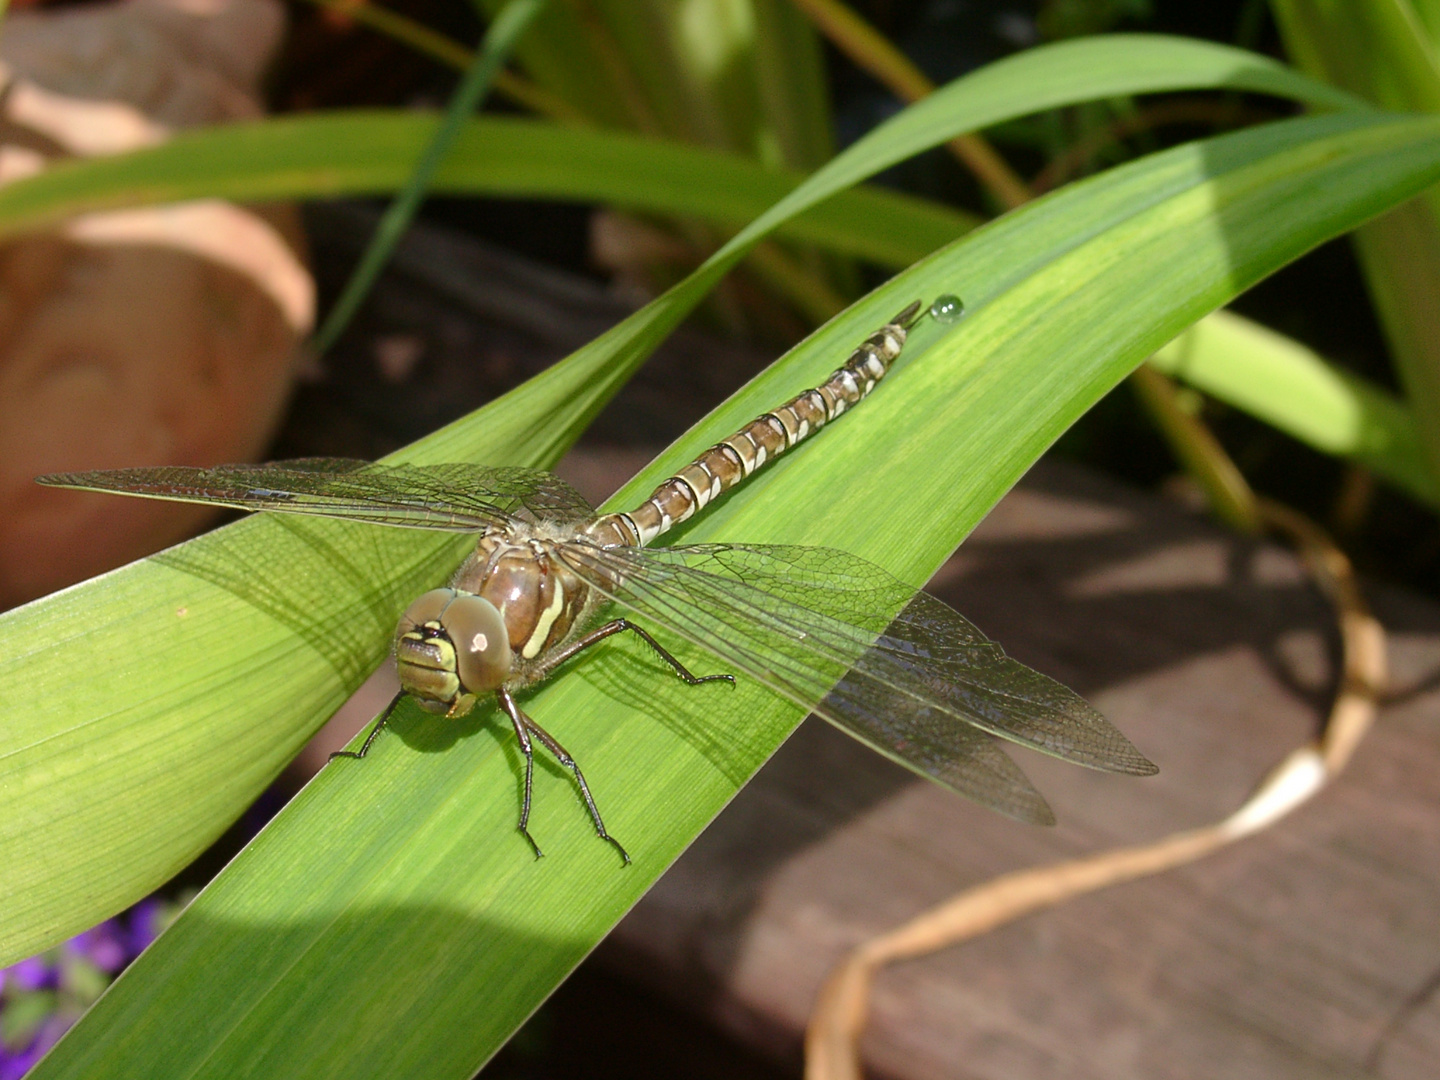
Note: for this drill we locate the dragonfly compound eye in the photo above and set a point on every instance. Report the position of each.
(450, 646)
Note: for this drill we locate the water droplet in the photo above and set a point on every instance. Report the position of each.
(947, 309)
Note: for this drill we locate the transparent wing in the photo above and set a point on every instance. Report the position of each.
(924, 687)
(453, 497)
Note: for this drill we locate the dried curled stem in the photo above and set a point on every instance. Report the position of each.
(833, 1036)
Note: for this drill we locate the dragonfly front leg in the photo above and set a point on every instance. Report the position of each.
(526, 727)
(375, 731)
(619, 626)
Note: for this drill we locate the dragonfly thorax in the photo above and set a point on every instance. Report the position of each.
(539, 599)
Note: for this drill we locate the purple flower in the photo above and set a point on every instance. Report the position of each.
(51, 1031)
(103, 945)
(147, 918)
(68, 979)
(15, 1065)
(36, 973)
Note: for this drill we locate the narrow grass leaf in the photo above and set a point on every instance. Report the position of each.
(1289, 386)
(1381, 51)
(509, 24)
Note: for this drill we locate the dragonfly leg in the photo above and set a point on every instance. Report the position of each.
(619, 626)
(522, 724)
(365, 746)
(524, 728)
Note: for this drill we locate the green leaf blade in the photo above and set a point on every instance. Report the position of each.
(367, 152)
(347, 904)
(1382, 51)
(1153, 246)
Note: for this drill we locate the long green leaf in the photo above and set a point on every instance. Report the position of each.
(509, 24)
(399, 898)
(1381, 51)
(373, 151)
(369, 152)
(1428, 12)
(743, 75)
(204, 668)
(1377, 50)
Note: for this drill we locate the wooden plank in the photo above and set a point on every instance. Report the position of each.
(1310, 951)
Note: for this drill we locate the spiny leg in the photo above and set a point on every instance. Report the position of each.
(563, 756)
(619, 626)
(522, 723)
(365, 747)
(524, 727)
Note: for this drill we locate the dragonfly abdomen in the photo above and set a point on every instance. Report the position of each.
(727, 463)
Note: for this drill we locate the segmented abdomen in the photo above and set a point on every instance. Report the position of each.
(727, 463)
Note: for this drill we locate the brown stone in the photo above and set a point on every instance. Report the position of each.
(162, 335)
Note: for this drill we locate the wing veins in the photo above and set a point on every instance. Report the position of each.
(1033, 710)
(449, 497)
(963, 757)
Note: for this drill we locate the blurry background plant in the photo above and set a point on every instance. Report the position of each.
(40, 997)
(749, 79)
(756, 80)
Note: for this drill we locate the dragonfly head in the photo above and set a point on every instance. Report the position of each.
(449, 647)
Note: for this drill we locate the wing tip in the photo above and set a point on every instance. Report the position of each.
(1142, 766)
(1125, 763)
(1015, 796)
(1126, 758)
(1036, 812)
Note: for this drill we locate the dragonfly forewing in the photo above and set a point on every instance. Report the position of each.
(452, 497)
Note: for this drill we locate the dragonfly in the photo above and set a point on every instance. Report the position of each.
(890, 665)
